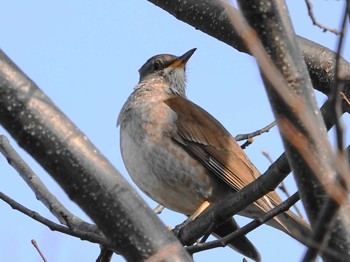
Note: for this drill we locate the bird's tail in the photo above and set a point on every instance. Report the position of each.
(240, 244)
(287, 221)
(291, 224)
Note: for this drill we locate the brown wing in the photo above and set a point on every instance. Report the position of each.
(209, 142)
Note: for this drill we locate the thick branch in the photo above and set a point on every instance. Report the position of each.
(210, 17)
(307, 147)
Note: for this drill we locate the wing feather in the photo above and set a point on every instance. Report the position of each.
(207, 140)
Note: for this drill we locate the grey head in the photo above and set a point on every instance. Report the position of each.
(167, 67)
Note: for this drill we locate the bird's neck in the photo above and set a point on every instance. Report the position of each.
(175, 86)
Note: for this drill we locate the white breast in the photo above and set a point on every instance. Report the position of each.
(159, 166)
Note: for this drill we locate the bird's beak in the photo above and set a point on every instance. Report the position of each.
(182, 60)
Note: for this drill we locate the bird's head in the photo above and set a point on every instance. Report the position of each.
(169, 68)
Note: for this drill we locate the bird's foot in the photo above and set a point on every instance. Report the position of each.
(179, 227)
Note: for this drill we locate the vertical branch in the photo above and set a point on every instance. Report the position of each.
(327, 214)
(293, 102)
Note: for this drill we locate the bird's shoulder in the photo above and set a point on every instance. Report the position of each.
(204, 137)
(197, 125)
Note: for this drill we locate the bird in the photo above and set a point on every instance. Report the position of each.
(183, 158)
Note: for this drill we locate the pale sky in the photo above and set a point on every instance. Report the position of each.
(85, 55)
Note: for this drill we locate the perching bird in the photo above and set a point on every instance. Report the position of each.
(182, 157)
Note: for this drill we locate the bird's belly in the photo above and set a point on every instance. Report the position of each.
(166, 173)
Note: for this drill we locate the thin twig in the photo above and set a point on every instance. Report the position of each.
(315, 22)
(35, 244)
(334, 97)
(256, 133)
(84, 235)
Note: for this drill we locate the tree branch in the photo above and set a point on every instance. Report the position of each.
(314, 20)
(255, 133)
(294, 106)
(41, 192)
(84, 235)
(36, 246)
(328, 212)
(211, 18)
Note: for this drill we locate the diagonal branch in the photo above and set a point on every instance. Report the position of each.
(270, 21)
(84, 235)
(41, 192)
(211, 18)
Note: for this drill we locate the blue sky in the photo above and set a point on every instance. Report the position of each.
(85, 55)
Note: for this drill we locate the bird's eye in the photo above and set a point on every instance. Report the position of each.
(156, 65)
